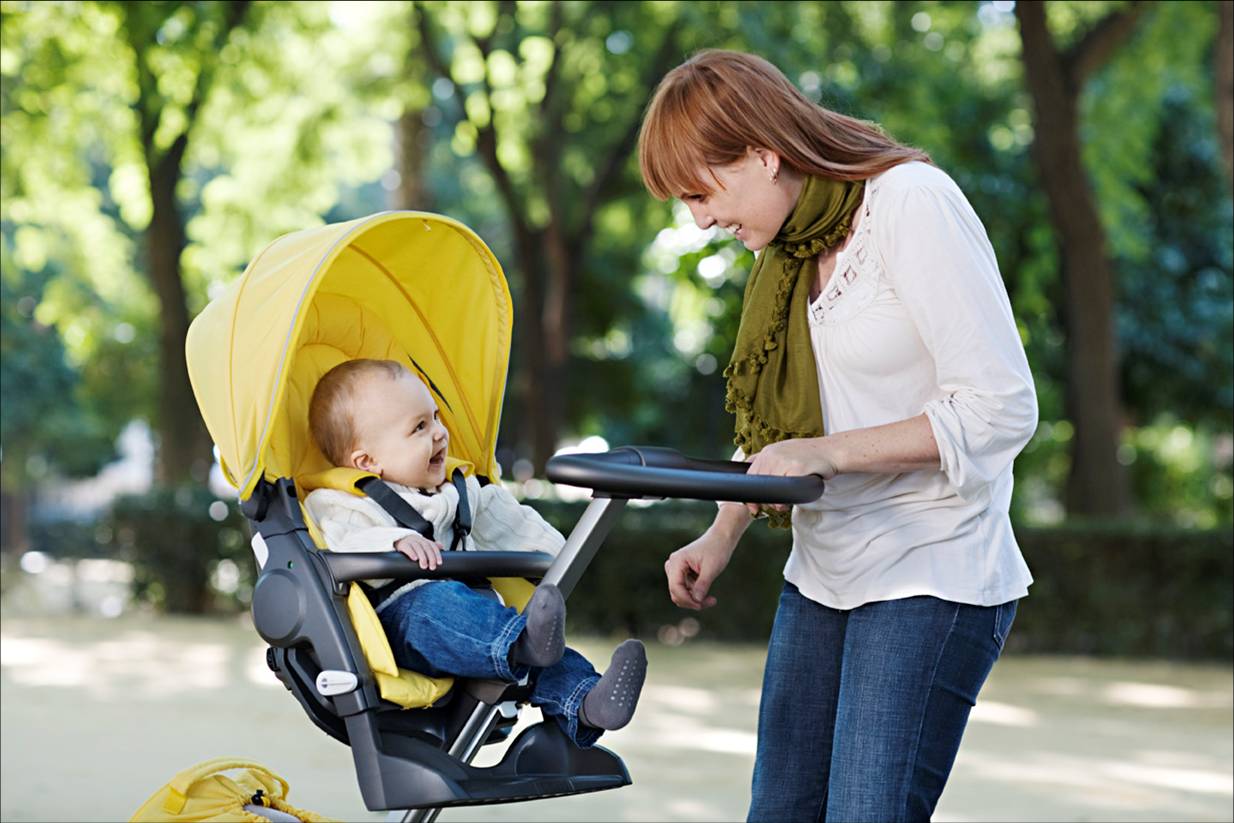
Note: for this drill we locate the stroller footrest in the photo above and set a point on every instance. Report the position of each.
(541, 762)
(535, 787)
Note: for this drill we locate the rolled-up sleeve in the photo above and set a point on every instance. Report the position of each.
(944, 270)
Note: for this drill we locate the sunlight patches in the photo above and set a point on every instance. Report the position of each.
(692, 809)
(679, 698)
(1002, 714)
(1151, 696)
(1187, 780)
(133, 664)
(256, 671)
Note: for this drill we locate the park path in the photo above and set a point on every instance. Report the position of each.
(97, 713)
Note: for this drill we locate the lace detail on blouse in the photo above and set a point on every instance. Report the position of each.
(854, 283)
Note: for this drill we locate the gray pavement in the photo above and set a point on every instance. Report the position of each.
(97, 714)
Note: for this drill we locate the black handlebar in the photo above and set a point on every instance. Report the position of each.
(653, 471)
(346, 566)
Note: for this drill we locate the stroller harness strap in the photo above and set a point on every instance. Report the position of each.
(406, 516)
(398, 508)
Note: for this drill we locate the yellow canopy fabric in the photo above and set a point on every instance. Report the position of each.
(415, 287)
(410, 286)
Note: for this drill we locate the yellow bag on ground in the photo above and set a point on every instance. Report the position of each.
(203, 792)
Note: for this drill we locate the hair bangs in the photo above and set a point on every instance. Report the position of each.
(672, 157)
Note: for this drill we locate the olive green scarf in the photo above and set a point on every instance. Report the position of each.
(772, 377)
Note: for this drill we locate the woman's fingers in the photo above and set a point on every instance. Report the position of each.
(678, 574)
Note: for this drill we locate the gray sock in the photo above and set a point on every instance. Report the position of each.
(543, 641)
(610, 704)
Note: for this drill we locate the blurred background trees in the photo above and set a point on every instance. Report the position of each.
(149, 150)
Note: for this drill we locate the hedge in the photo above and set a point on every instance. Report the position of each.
(1101, 589)
(1112, 589)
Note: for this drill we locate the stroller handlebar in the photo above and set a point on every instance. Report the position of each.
(654, 471)
(350, 566)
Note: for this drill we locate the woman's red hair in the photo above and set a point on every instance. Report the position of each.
(709, 110)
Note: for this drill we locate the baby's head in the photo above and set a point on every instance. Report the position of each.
(376, 416)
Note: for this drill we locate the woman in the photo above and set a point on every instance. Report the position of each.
(877, 349)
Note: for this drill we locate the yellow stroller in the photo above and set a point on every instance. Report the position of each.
(425, 290)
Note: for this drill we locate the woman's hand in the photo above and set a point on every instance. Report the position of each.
(795, 458)
(693, 568)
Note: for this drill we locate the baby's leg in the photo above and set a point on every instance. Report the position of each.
(583, 702)
(543, 641)
(445, 628)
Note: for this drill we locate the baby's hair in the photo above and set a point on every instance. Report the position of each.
(331, 418)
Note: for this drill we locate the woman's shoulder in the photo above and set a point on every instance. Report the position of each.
(914, 175)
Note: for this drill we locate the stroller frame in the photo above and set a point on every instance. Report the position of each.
(414, 759)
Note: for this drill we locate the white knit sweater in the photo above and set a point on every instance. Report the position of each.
(499, 522)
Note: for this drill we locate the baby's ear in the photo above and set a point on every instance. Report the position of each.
(362, 460)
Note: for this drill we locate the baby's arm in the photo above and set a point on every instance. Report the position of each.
(501, 523)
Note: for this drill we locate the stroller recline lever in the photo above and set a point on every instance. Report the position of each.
(655, 471)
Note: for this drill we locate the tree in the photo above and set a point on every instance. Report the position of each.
(551, 100)
(150, 186)
(167, 108)
(1055, 79)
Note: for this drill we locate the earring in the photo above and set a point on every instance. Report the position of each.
(775, 176)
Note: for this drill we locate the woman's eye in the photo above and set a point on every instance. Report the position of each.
(420, 426)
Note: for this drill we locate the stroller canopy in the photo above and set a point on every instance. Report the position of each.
(415, 287)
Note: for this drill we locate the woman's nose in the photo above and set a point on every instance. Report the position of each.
(701, 218)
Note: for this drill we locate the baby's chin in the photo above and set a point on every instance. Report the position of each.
(430, 478)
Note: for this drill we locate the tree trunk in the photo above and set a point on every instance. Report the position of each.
(183, 443)
(14, 510)
(536, 429)
(414, 143)
(1223, 85)
(1098, 482)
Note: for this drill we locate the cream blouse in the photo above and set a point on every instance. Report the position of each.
(916, 319)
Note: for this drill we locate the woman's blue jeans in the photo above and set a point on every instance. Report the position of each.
(863, 710)
(444, 628)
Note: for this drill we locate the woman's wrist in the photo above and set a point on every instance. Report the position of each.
(831, 456)
(730, 523)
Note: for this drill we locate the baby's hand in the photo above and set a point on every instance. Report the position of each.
(420, 549)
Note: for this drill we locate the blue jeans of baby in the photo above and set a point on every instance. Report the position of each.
(444, 628)
(863, 709)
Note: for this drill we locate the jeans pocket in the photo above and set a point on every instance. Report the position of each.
(1004, 616)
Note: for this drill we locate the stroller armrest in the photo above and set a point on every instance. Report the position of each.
(653, 471)
(349, 566)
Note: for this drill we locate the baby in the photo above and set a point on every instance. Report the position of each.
(377, 416)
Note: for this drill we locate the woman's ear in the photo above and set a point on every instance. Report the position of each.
(769, 160)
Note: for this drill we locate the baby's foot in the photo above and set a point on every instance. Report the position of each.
(543, 641)
(610, 704)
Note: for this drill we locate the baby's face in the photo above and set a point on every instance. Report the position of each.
(399, 433)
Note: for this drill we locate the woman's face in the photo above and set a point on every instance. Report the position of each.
(748, 201)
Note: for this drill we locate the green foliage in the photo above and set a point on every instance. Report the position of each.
(45, 427)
